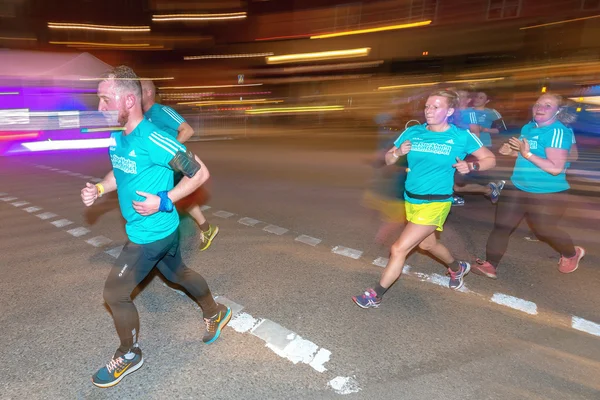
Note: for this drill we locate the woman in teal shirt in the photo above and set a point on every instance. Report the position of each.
(434, 151)
(538, 185)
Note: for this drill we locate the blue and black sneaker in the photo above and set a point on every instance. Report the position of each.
(119, 367)
(458, 201)
(215, 323)
(457, 277)
(496, 188)
(368, 299)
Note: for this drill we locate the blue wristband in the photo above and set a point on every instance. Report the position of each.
(166, 205)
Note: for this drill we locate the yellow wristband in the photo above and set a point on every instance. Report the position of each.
(528, 155)
(100, 189)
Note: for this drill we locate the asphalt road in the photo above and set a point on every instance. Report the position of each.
(296, 333)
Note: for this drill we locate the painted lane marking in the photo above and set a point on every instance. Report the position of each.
(99, 241)
(381, 262)
(61, 223)
(86, 176)
(204, 208)
(515, 303)
(309, 240)
(64, 171)
(95, 180)
(344, 385)
(115, 251)
(347, 252)
(280, 340)
(20, 203)
(9, 198)
(77, 232)
(32, 209)
(46, 215)
(277, 230)
(223, 214)
(248, 221)
(3, 194)
(586, 326)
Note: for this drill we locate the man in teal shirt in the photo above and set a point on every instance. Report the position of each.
(171, 122)
(143, 158)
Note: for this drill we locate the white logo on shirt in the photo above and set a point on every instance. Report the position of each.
(124, 164)
(535, 137)
(450, 141)
(434, 148)
(132, 153)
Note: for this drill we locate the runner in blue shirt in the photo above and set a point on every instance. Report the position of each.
(539, 186)
(143, 159)
(473, 183)
(175, 125)
(434, 151)
(485, 118)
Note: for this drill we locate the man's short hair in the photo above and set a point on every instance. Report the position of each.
(125, 80)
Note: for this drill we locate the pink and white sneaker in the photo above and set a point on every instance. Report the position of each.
(568, 265)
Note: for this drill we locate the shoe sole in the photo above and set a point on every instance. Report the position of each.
(211, 239)
(462, 281)
(120, 378)
(576, 265)
(222, 325)
(361, 306)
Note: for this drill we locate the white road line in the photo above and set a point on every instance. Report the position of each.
(61, 223)
(86, 176)
(204, 208)
(344, 385)
(32, 209)
(381, 262)
(115, 252)
(277, 230)
(77, 232)
(309, 240)
(20, 203)
(95, 180)
(515, 303)
(54, 169)
(235, 307)
(223, 214)
(64, 171)
(248, 221)
(99, 241)
(3, 194)
(46, 215)
(586, 326)
(347, 252)
(9, 198)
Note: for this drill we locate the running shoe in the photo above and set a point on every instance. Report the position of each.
(484, 268)
(216, 323)
(368, 299)
(495, 193)
(457, 277)
(118, 368)
(208, 236)
(458, 201)
(568, 265)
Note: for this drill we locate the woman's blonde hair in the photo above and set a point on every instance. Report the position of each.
(451, 97)
(564, 115)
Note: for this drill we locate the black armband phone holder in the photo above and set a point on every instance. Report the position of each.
(185, 162)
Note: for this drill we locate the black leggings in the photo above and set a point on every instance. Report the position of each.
(543, 212)
(135, 263)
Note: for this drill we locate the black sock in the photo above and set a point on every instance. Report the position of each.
(205, 226)
(454, 266)
(380, 290)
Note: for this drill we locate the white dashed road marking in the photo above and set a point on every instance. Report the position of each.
(115, 252)
(277, 230)
(9, 198)
(347, 252)
(77, 232)
(223, 214)
(99, 241)
(46, 215)
(61, 223)
(32, 209)
(20, 203)
(381, 262)
(515, 303)
(248, 221)
(585, 326)
(309, 240)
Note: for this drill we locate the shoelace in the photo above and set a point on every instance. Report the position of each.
(210, 324)
(114, 364)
